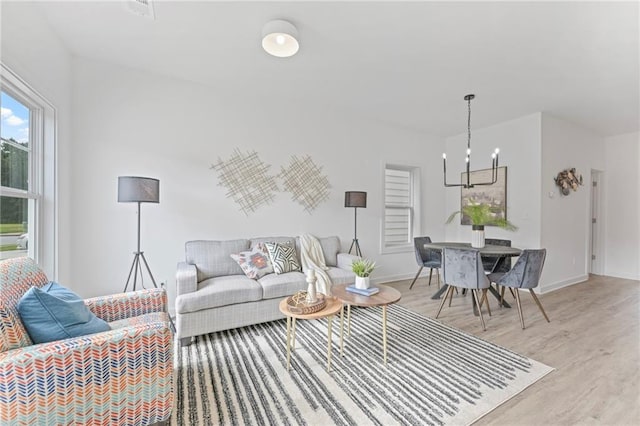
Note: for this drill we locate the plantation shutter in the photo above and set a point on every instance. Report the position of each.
(398, 200)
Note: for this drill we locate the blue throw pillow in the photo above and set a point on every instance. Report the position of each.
(55, 313)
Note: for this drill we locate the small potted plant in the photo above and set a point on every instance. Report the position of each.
(481, 216)
(362, 268)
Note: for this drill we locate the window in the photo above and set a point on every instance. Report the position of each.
(401, 201)
(27, 146)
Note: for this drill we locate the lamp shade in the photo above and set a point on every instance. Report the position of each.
(136, 189)
(280, 38)
(355, 199)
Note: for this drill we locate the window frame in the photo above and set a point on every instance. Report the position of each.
(42, 186)
(413, 208)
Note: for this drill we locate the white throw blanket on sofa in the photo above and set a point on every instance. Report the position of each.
(312, 258)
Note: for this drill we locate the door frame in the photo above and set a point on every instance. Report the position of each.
(596, 192)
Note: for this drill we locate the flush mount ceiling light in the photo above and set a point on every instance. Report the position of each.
(280, 38)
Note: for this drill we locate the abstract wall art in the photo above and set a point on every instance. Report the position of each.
(247, 180)
(306, 183)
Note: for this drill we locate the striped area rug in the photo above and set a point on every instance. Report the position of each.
(436, 375)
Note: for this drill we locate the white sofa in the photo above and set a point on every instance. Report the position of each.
(214, 294)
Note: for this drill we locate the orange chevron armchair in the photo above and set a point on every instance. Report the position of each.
(119, 377)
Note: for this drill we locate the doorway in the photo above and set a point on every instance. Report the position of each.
(595, 240)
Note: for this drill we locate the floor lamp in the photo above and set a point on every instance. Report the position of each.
(135, 189)
(355, 199)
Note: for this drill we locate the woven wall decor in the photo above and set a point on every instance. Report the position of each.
(568, 179)
(306, 183)
(247, 179)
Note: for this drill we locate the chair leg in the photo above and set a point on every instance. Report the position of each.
(519, 308)
(533, 293)
(416, 277)
(438, 273)
(512, 292)
(430, 274)
(484, 297)
(474, 293)
(449, 290)
(451, 297)
(502, 296)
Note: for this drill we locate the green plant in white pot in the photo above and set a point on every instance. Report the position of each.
(362, 268)
(481, 216)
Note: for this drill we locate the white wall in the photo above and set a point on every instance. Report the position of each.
(566, 219)
(519, 143)
(31, 50)
(622, 206)
(132, 123)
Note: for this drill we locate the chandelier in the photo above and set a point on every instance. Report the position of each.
(494, 157)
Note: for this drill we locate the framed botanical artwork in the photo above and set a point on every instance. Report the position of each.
(493, 195)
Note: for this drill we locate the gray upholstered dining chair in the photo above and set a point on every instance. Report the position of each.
(426, 258)
(463, 268)
(496, 264)
(524, 274)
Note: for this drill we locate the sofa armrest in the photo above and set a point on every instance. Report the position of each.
(186, 278)
(128, 305)
(345, 260)
(105, 371)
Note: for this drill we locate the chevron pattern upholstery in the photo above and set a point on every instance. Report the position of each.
(120, 377)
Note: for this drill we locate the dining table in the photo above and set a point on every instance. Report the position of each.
(501, 253)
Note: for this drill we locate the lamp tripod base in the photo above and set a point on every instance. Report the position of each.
(136, 269)
(356, 245)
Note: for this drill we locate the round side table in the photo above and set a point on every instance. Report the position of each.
(386, 296)
(333, 307)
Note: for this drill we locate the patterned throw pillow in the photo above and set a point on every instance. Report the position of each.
(255, 263)
(283, 257)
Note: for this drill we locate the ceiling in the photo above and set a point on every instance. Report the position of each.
(407, 64)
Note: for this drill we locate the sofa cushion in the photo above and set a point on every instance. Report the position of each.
(282, 285)
(341, 276)
(143, 319)
(55, 313)
(330, 249)
(255, 263)
(213, 258)
(219, 291)
(283, 257)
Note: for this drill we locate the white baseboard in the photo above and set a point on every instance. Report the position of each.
(561, 284)
(398, 277)
(622, 275)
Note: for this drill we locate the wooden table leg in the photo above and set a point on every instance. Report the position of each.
(384, 332)
(349, 320)
(293, 334)
(330, 319)
(341, 330)
(288, 341)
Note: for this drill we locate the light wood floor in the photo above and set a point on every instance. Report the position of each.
(593, 342)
